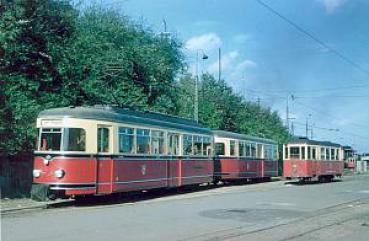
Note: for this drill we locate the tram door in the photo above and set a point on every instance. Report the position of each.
(173, 163)
(104, 162)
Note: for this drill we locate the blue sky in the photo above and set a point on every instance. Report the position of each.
(265, 57)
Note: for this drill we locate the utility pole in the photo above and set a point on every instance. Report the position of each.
(307, 128)
(258, 101)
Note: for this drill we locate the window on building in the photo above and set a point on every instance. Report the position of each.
(157, 142)
(187, 144)
(126, 140)
(219, 149)
(232, 148)
(143, 141)
(295, 152)
(74, 139)
(103, 139)
(50, 139)
(173, 144)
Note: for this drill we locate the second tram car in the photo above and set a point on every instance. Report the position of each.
(239, 156)
(103, 150)
(306, 159)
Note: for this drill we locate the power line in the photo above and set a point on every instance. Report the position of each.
(314, 38)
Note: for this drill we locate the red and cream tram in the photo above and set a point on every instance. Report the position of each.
(241, 156)
(306, 159)
(103, 150)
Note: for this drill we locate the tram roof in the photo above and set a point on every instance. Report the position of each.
(228, 134)
(313, 142)
(126, 115)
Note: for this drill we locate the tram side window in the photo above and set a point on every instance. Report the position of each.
(126, 139)
(197, 145)
(50, 139)
(143, 141)
(103, 139)
(219, 149)
(173, 144)
(232, 148)
(322, 154)
(253, 150)
(333, 154)
(157, 142)
(303, 153)
(327, 154)
(241, 148)
(206, 148)
(275, 152)
(313, 153)
(309, 153)
(336, 154)
(187, 144)
(259, 150)
(248, 149)
(74, 139)
(295, 152)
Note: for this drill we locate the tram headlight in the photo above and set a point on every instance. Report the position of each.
(36, 173)
(59, 173)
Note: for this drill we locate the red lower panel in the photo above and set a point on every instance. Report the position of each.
(228, 169)
(311, 168)
(270, 168)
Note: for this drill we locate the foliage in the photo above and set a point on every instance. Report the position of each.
(53, 55)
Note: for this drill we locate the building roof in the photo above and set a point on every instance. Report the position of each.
(125, 115)
(228, 134)
(313, 142)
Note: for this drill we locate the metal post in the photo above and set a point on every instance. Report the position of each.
(196, 107)
(307, 128)
(287, 116)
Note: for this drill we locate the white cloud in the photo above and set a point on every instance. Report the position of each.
(332, 5)
(206, 42)
(241, 38)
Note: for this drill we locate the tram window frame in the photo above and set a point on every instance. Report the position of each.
(145, 135)
(69, 137)
(126, 132)
(219, 149)
(173, 144)
(295, 155)
(322, 153)
(206, 146)
(309, 152)
(187, 143)
(232, 147)
(197, 145)
(157, 137)
(101, 134)
(248, 149)
(51, 132)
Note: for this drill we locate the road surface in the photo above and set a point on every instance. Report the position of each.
(265, 211)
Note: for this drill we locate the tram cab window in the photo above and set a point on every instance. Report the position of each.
(187, 144)
(173, 144)
(219, 149)
(232, 148)
(197, 145)
(74, 139)
(295, 152)
(157, 142)
(103, 139)
(143, 141)
(126, 140)
(50, 139)
(206, 147)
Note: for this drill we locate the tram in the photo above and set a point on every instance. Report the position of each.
(306, 159)
(243, 157)
(102, 150)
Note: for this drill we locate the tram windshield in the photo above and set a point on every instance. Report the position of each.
(58, 139)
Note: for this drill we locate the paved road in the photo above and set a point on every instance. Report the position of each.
(266, 211)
